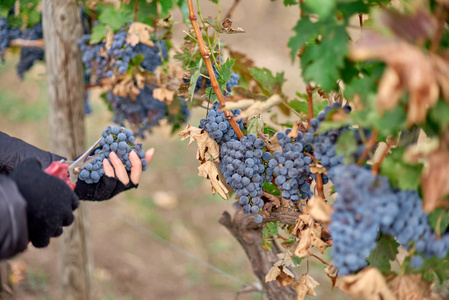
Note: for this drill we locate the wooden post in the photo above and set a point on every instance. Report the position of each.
(62, 28)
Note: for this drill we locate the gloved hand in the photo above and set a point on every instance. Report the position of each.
(50, 201)
(116, 178)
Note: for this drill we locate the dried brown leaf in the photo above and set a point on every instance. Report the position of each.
(272, 143)
(274, 272)
(240, 104)
(139, 33)
(164, 95)
(320, 210)
(332, 272)
(434, 180)
(296, 127)
(318, 169)
(305, 286)
(210, 170)
(109, 39)
(207, 147)
(260, 106)
(368, 284)
(409, 69)
(411, 287)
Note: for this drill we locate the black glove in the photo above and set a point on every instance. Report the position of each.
(50, 201)
(105, 189)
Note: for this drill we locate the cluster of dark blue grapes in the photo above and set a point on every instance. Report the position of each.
(28, 55)
(242, 164)
(119, 55)
(291, 167)
(365, 204)
(204, 82)
(7, 33)
(118, 140)
(144, 112)
(218, 126)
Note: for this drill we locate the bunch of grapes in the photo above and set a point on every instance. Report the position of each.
(241, 163)
(144, 112)
(204, 82)
(218, 126)
(291, 167)
(117, 58)
(118, 140)
(363, 204)
(6, 33)
(28, 55)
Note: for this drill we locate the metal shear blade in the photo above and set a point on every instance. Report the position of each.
(76, 166)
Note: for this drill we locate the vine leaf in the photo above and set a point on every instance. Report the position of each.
(367, 284)
(386, 250)
(408, 69)
(305, 286)
(210, 170)
(139, 33)
(267, 82)
(434, 180)
(310, 236)
(411, 286)
(207, 147)
(304, 30)
(320, 210)
(164, 95)
(282, 275)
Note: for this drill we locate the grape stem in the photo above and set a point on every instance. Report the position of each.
(206, 57)
(136, 9)
(320, 186)
(309, 91)
(369, 145)
(320, 259)
(376, 167)
(27, 43)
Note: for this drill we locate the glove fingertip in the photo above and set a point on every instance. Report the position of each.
(68, 220)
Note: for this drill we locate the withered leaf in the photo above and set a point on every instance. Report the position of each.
(281, 274)
(139, 33)
(305, 286)
(260, 106)
(240, 104)
(109, 38)
(296, 127)
(274, 272)
(207, 147)
(434, 180)
(320, 210)
(310, 237)
(368, 284)
(272, 143)
(210, 170)
(164, 95)
(411, 287)
(409, 69)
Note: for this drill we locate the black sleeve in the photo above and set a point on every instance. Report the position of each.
(13, 151)
(13, 219)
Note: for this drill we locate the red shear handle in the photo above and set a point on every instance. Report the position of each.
(60, 170)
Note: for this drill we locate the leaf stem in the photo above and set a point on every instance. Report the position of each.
(378, 164)
(309, 91)
(320, 259)
(206, 56)
(369, 145)
(136, 9)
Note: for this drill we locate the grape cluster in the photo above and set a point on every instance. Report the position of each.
(205, 82)
(241, 163)
(118, 57)
(118, 140)
(6, 33)
(364, 205)
(291, 167)
(218, 126)
(360, 208)
(28, 55)
(144, 112)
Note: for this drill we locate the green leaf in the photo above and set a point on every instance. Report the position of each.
(290, 2)
(224, 72)
(193, 81)
(439, 266)
(391, 122)
(322, 62)
(350, 8)
(439, 220)
(346, 144)
(166, 6)
(99, 32)
(255, 126)
(401, 174)
(268, 83)
(266, 243)
(296, 260)
(304, 30)
(271, 188)
(273, 228)
(116, 19)
(440, 114)
(302, 106)
(386, 250)
(323, 8)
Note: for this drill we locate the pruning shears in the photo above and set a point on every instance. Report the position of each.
(69, 170)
